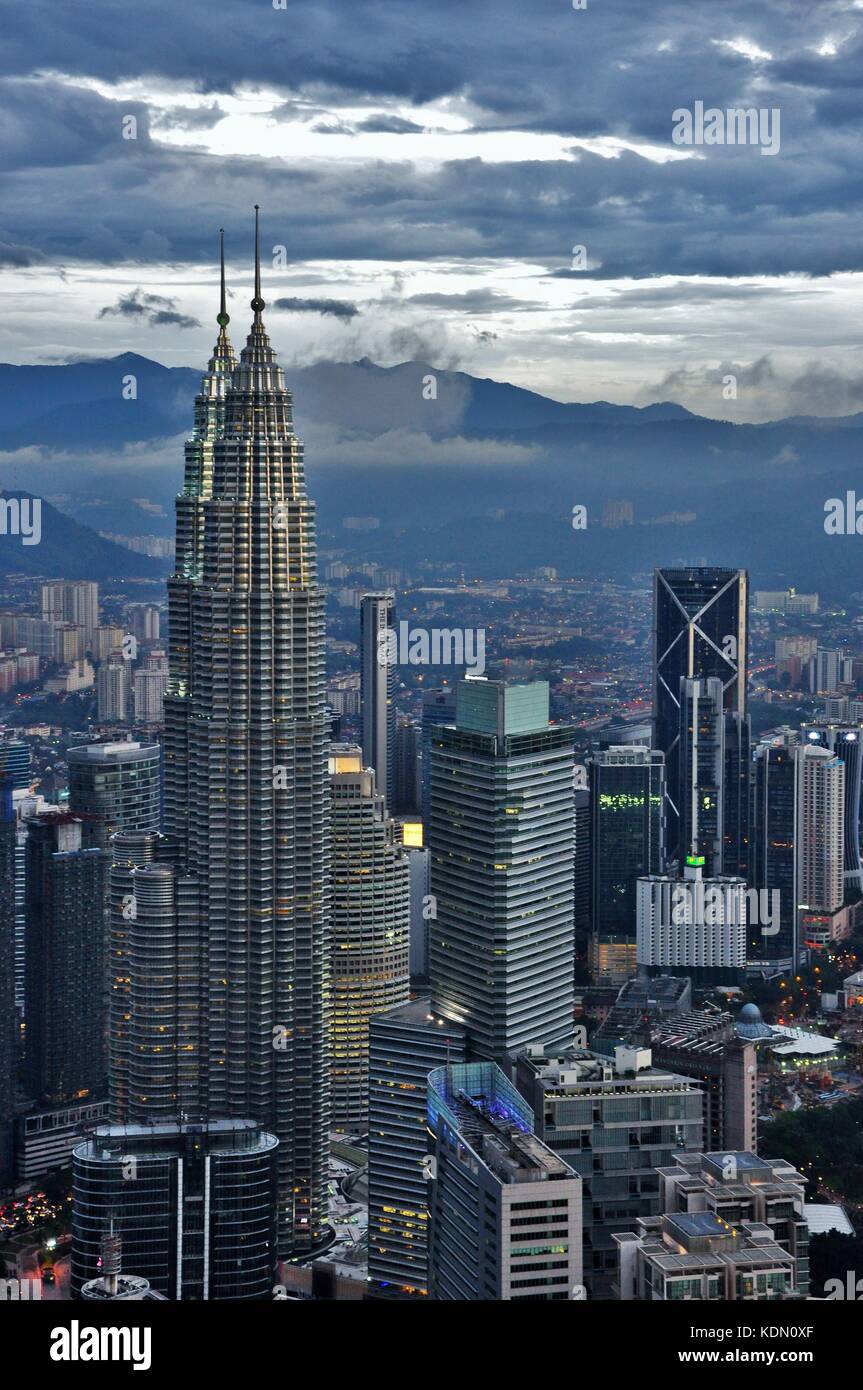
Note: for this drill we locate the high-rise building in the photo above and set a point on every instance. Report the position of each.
(438, 708)
(627, 841)
(181, 791)
(370, 927)
(505, 1209)
(846, 742)
(154, 983)
(76, 603)
(405, 1045)
(694, 925)
(820, 828)
(615, 1122)
(407, 774)
(582, 873)
(704, 1044)
(8, 1013)
(774, 854)
(502, 840)
(15, 762)
(377, 619)
(116, 786)
(113, 690)
(148, 691)
(194, 1205)
(732, 1227)
(249, 755)
(700, 631)
(701, 761)
(65, 962)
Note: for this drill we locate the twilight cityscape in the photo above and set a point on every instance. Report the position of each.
(431, 667)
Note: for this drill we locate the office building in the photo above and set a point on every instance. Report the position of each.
(505, 1209)
(370, 927)
(700, 631)
(405, 1045)
(377, 619)
(408, 793)
(15, 762)
(438, 708)
(615, 1121)
(64, 963)
(774, 854)
(732, 1227)
(155, 984)
(115, 786)
(502, 844)
(694, 926)
(193, 1204)
(701, 761)
(247, 785)
(704, 1045)
(627, 841)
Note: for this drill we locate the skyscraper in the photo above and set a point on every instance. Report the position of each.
(377, 617)
(113, 690)
(700, 630)
(846, 742)
(248, 747)
(502, 842)
(615, 1121)
(505, 1209)
(370, 927)
(627, 840)
(64, 962)
(116, 786)
(405, 1044)
(701, 762)
(774, 854)
(180, 792)
(193, 1203)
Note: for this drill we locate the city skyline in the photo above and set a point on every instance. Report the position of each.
(431, 698)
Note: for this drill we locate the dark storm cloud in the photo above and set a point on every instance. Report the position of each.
(619, 68)
(393, 125)
(154, 309)
(334, 308)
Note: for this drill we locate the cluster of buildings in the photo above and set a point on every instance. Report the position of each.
(234, 952)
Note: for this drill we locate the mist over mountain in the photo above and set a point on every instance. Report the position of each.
(423, 448)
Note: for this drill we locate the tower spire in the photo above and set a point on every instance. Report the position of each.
(223, 318)
(258, 303)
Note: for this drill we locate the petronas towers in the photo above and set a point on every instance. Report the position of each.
(246, 773)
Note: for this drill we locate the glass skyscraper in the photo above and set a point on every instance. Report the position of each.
(502, 843)
(700, 618)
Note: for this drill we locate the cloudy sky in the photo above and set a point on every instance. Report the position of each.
(428, 167)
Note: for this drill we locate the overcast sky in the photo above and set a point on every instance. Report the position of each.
(429, 166)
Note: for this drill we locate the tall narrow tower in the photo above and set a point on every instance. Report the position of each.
(180, 789)
(256, 776)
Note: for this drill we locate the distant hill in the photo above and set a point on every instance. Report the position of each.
(433, 453)
(67, 550)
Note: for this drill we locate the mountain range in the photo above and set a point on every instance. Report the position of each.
(454, 466)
